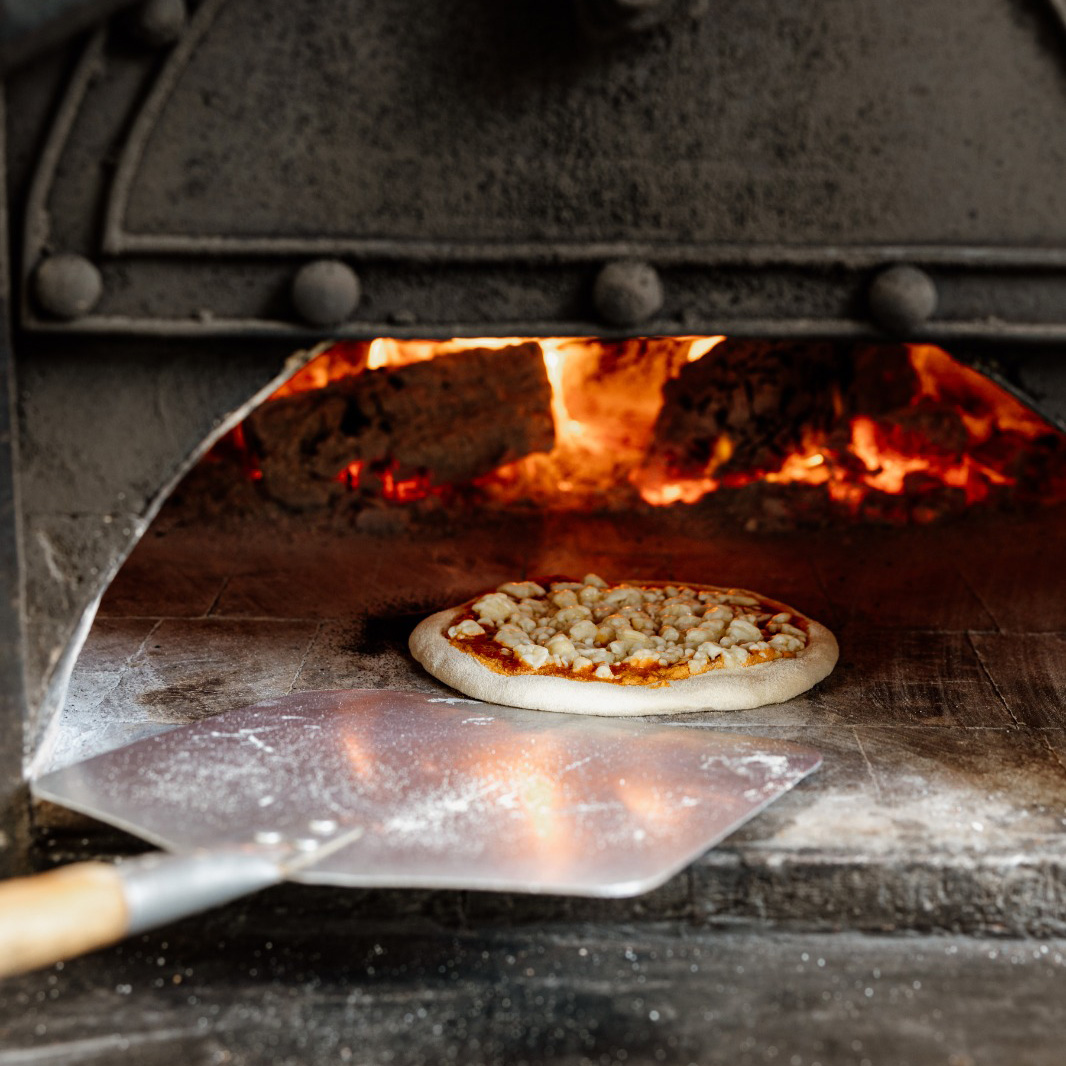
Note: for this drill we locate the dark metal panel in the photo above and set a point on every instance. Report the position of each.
(335, 987)
(1039, 378)
(477, 165)
(374, 125)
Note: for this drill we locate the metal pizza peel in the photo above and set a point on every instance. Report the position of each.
(402, 789)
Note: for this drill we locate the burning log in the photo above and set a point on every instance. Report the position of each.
(782, 431)
(749, 405)
(889, 431)
(445, 421)
(746, 405)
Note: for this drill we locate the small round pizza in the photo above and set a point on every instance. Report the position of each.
(641, 647)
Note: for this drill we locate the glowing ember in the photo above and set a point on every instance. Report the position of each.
(351, 474)
(957, 432)
(385, 480)
(405, 490)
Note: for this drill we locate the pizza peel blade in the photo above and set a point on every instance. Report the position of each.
(376, 788)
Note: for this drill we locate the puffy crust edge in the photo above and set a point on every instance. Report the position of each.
(725, 689)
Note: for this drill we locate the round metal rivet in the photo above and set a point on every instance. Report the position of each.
(627, 293)
(325, 292)
(902, 299)
(322, 826)
(268, 836)
(160, 22)
(67, 286)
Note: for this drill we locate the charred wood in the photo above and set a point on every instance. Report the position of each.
(761, 395)
(767, 398)
(446, 421)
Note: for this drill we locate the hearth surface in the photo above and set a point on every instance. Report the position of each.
(942, 799)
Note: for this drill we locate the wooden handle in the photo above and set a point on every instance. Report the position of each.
(59, 914)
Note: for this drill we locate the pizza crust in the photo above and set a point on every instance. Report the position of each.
(722, 689)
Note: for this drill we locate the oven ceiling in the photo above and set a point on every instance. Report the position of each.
(475, 165)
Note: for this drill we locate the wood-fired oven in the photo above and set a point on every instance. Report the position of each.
(237, 231)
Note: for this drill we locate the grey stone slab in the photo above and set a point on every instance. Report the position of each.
(176, 576)
(85, 725)
(914, 828)
(194, 668)
(1012, 566)
(111, 643)
(65, 560)
(805, 710)
(907, 677)
(136, 676)
(993, 895)
(1055, 739)
(901, 579)
(821, 812)
(624, 533)
(365, 653)
(670, 902)
(1029, 672)
(339, 577)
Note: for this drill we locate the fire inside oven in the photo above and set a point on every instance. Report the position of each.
(872, 432)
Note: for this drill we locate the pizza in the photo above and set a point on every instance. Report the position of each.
(640, 647)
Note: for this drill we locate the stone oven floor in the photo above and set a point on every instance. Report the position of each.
(830, 930)
(941, 803)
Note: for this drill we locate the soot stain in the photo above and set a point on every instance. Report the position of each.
(382, 633)
(184, 701)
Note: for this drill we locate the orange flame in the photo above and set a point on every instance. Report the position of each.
(605, 400)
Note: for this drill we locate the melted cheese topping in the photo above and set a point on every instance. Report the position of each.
(645, 634)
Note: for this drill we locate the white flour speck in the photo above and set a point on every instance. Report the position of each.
(249, 736)
(749, 765)
(575, 765)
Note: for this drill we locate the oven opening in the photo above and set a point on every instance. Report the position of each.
(889, 491)
(766, 433)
